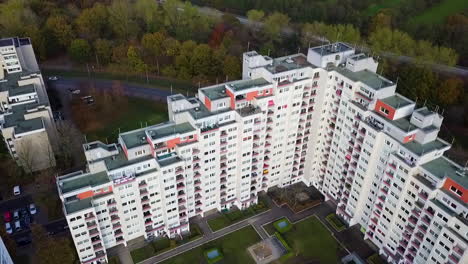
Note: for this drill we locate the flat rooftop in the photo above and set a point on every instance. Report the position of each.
(20, 90)
(78, 205)
(215, 92)
(202, 112)
(367, 77)
(134, 138)
(120, 160)
(83, 180)
(403, 124)
(168, 129)
(287, 63)
(331, 48)
(397, 101)
(99, 144)
(424, 111)
(360, 56)
(420, 149)
(443, 167)
(247, 84)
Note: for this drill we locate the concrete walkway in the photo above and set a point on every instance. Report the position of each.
(350, 238)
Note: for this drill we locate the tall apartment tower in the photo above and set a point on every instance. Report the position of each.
(26, 122)
(5, 257)
(325, 119)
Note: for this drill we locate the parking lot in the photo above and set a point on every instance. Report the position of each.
(17, 216)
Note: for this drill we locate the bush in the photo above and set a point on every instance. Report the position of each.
(283, 229)
(335, 222)
(289, 252)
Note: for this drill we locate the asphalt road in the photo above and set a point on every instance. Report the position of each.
(15, 203)
(457, 70)
(129, 89)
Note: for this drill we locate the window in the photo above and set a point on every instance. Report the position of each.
(456, 191)
(384, 110)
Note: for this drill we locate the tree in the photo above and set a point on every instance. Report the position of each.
(450, 91)
(418, 82)
(202, 60)
(256, 16)
(153, 45)
(80, 51)
(68, 143)
(148, 11)
(92, 22)
(48, 250)
(184, 21)
(232, 67)
(26, 155)
(135, 62)
(122, 20)
(379, 21)
(171, 46)
(15, 17)
(61, 29)
(103, 51)
(274, 24)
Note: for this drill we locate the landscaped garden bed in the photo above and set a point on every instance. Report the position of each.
(283, 225)
(307, 241)
(335, 222)
(298, 197)
(235, 215)
(233, 247)
(213, 255)
(164, 244)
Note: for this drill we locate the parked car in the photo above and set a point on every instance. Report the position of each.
(16, 214)
(53, 78)
(76, 91)
(7, 216)
(17, 226)
(8, 228)
(16, 190)
(32, 209)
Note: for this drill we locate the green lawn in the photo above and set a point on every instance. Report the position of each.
(233, 247)
(438, 13)
(373, 9)
(139, 112)
(310, 240)
(234, 216)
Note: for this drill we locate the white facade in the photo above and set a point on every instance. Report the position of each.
(26, 121)
(5, 257)
(326, 119)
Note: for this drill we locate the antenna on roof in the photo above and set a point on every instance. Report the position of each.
(171, 89)
(268, 52)
(309, 44)
(85, 139)
(107, 141)
(141, 124)
(299, 49)
(248, 46)
(425, 101)
(119, 130)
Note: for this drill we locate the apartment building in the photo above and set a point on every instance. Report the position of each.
(26, 121)
(326, 119)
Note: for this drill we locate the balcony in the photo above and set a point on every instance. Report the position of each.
(180, 194)
(387, 183)
(423, 195)
(196, 159)
(180, 186)
(142, 184)
(179, 170)
(454, 258)
(143, 191)
(89, 217)
(412, 220)
(197, 175)
(179, 178)
(195, 151)
(93, 231)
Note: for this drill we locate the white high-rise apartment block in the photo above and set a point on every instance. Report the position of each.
(326, 119)
(26, 122)
(5, 257)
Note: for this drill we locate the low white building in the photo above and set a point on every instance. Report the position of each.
(26, 121)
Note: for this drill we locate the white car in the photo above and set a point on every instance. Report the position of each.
(32, 209)
(16, 190)
(8, 228)
(53, 78)
(76, 91)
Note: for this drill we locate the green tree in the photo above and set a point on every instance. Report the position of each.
(92, 22)
(153, 45)
(274, 24)
(122, 19)
(134, 60)
(103, 51)
(184, 21)
(450, 91)
(418, 82)
(379, 21)
(149, 12)
(80, 51)
(15, 17)
(202, 60)
(49, 250)
(256, 16)
(171, 46)
(232, 67)
(61, 29)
